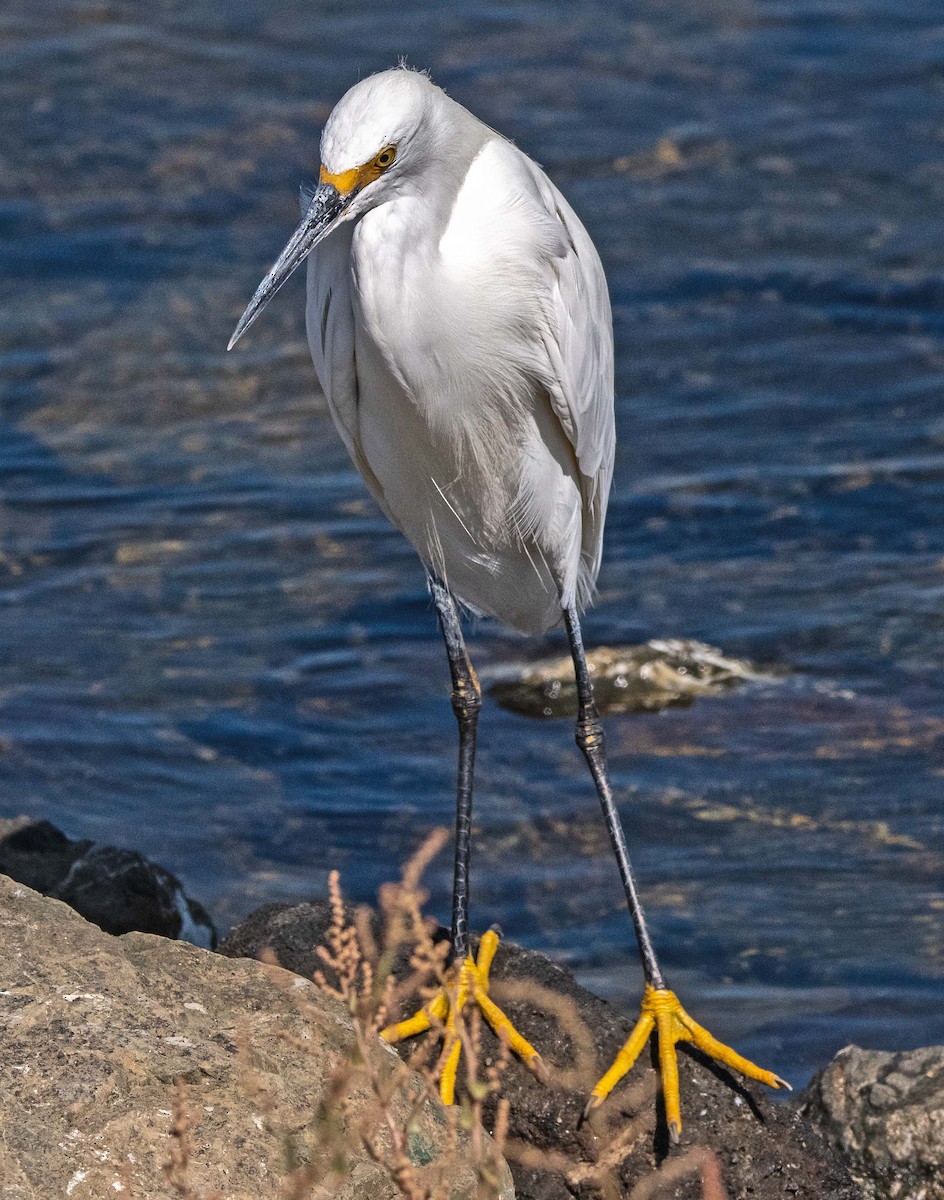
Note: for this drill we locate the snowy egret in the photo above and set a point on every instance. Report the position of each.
(460, 327)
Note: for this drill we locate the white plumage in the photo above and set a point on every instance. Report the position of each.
(459, 323)
(460, 328)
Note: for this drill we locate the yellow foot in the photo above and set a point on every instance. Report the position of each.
(660, 1010)
(469, 978)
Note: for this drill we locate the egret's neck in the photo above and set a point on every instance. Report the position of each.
(427, 309)
(404, 295)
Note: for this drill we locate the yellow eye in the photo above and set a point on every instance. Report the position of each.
(385, 157)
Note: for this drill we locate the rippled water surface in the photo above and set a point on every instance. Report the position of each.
(215, 650)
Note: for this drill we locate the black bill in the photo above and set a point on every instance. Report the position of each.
(326, 206)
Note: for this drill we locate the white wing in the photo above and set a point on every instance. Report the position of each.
(578, 343)
(569, 352)
(329, 318)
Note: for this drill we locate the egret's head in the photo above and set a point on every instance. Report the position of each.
(376, 132)
(378, 135)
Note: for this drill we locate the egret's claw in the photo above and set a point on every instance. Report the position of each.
(469, 979)
(661, 1011)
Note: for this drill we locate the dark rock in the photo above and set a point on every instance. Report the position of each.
(763, 1150)
(118, 890)
(291, 931)
(661, 674)
(884, 1114)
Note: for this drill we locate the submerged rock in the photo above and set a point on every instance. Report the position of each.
(118, 890)
(884, 1113)
(761, 1150)
(94, 1031)
(626, 679)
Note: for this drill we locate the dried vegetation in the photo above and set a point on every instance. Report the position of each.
(362, 1108)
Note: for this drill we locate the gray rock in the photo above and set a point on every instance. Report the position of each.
(118, 890)
(95, 1029)
(663, 673)
(763, 1151)
(884, 1113)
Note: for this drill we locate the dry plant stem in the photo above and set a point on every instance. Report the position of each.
(602, 1172)
(404, 924)
(465, 981)
(249, 1077)
(176, 1169)
(583, 1072)
(712, 1185)
(299, 1183)
(674, 1169)
(619, 1148)
(500, 1130)
(354, 984)
(360, 977)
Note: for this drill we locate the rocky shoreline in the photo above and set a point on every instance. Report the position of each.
(762, 1149)
(96, 1028)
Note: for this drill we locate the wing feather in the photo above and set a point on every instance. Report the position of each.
(329, 317)
(570, 357)
(578, 343)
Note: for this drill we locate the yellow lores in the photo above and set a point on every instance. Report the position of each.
(350, 182)
(471, 979)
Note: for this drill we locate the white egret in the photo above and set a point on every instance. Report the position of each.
(460, 327)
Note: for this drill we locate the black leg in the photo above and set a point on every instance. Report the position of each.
(466, 702)
(590, 741)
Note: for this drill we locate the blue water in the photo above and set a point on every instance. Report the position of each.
(216, 651)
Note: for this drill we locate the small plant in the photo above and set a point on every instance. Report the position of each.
(375, 965)
(363, 978)
(177, 1168)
